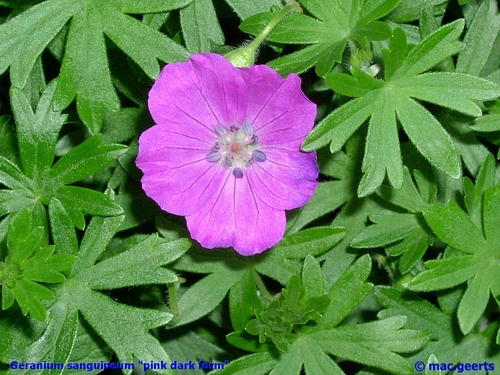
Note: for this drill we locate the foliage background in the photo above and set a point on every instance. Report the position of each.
(394, 260)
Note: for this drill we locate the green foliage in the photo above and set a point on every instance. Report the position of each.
(394, 260)
(328, 33)
(384, 102)
(120, 326)
(85, 72)
(27, 263)
(303, 324)
(40, 183)
(477, 238)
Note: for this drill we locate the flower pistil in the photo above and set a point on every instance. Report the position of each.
(236, 148)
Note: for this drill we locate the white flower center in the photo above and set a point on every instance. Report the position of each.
(236, 148)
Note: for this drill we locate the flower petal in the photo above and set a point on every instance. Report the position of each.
(237, 218)
(176, 174)
(207, 89)
(278, 109)
(286, 180)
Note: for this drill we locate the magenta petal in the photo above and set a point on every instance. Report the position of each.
(207, 89)
(281, 114)
(286, 180)
(225, 152)
(238, 219)
(177, 177)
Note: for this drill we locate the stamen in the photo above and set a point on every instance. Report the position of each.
(238, 172)
(233, 128)
(255, 140)
(216, 146)
(259, 155)
(213, 156)
(220, 130)
(247, 127)
(227, 162)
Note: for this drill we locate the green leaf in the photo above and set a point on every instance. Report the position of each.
(382, 135)
(473, 302)
(253, 364)
(29, 261)
(60, 332)
(450, 90)
(348, 291)
(479, 40)
(448, 344)
(445, 273)
(408, 196)
(374, 10)
(245, 9)
(8, 144)
(327, 197)
(487, 123)
(428, 136)
(12, 177)
(329, 31)
(134, 322)
(453, 226)
(36, 132)
(84, 160)
(133, 267)
(312, 278)
(28, 295)
(374, 343)
(313, 241)
(340, 124)
(491, 218)
(432, 50)
(98, 234)
(47, 267)
(63, 231)
(473, 193)
(305, 351)
(243, 300)
(383, 101)
(387, 229)
(354, 86)
(23, 239)
(85, 72)
(409, 10)
(200, 26)
(204, 296)
(88, 201)
(14, 200)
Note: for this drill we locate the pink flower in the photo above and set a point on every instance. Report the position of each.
(225, 152)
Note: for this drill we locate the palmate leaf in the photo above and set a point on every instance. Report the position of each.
(227, 268)
(85, 73)
(310, 346)
(384, 102)
(28, 263)
(327, 34)
(124, 328)
(402, 234)
(480, 247)
(447, 343)
(40, 182)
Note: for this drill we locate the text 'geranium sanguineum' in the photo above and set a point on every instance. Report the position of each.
(225, 151)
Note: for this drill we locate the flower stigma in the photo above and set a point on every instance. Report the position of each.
(236, 148)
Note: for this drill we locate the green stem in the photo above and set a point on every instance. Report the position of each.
(172, 294)
(271, 25)
(262, 287)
